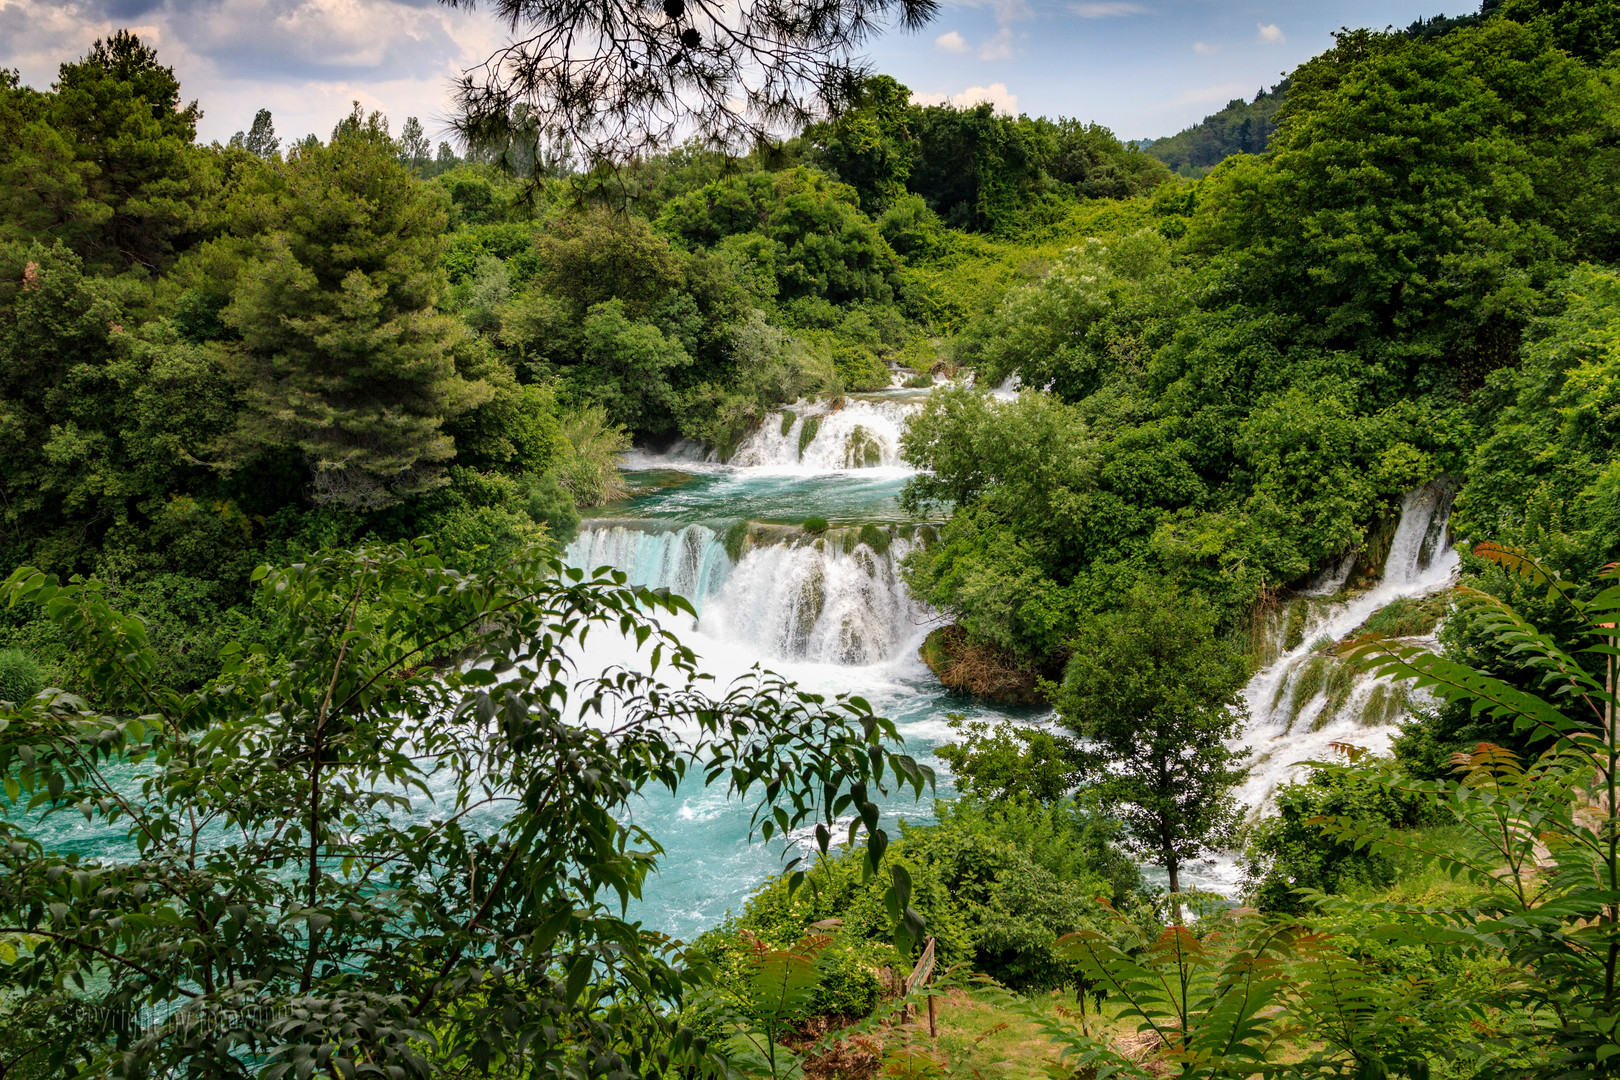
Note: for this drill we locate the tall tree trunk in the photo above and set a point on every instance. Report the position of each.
(1172, 866)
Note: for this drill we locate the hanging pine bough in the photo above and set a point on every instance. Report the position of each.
(399, 844)
(621, 78)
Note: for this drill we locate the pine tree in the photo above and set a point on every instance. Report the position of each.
(260, 140)
(341, 351)
(106, 161)
(414, 148)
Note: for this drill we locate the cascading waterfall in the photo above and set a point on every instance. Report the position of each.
(817, 602)
(690, 562)
(1307, 698)
(835, 599)
(831, 610)
(859, 434)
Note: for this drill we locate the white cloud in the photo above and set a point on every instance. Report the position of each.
(1270, 34)
(951, 42)
(996, 94)
(1107, 9)
(1204, 48)
(1011, 11)
(999, 47)
(305, 60)
(1005, 12)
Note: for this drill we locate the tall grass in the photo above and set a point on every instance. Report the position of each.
(592, 473)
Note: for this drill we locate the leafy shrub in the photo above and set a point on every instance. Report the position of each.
(849, 984)
(912, 229)
(550, 504)
(838, 977)
(859, 367)
(592, 470)
(996, 885)
(1288, 851)
(1009, 761)
(815, 525)
(21, 676)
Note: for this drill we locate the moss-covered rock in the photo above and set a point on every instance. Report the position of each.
(736, 540)
(876, 537)
(807, 433)
(862, 450)
(1369, 566)
(1406, 617)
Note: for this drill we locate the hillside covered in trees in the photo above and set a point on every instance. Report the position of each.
(291, 434)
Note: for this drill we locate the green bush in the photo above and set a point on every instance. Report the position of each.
(996, 884)
(859, 368)
(849, 985)
(1287, 851)
(552, 505)
(815, 525)
(21, 677)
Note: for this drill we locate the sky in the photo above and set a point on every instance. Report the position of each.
(1143, 68)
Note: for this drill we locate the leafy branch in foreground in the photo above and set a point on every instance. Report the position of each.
(403, 847)
(623, 78)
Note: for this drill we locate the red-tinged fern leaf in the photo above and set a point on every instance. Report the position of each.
(1520, 561)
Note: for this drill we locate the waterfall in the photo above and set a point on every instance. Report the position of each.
(690, 562)
(1305, 697)
(1007, 389)
(858, 434)
(832, 599)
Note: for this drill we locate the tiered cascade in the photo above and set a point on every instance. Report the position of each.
(827, 436)
(831, 599)
(1306, 697)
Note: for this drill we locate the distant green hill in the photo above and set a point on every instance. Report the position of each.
(1243, 127)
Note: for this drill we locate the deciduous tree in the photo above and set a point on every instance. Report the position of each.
(1154, 691)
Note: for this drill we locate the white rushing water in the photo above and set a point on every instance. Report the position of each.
(1305, 700)
(690, 562)
(791, 596)
(819, 436)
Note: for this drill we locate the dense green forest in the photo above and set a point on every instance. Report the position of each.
(289, 433)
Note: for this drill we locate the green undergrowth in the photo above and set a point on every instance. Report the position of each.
(1407, 617)
(807, 433)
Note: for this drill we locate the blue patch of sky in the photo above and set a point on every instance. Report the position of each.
(1144, 68)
